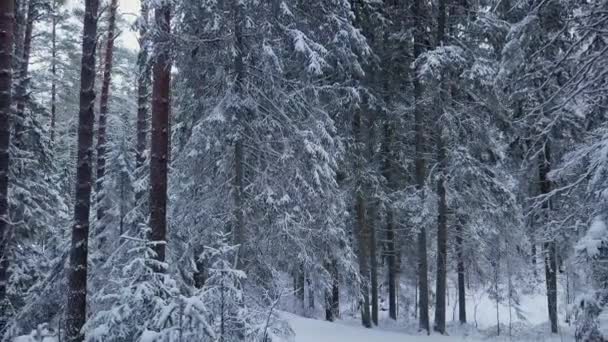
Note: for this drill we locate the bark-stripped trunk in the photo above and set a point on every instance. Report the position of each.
(22, 78)
(53, 68)
(423, 281)
(544, 167)
(7, 18)
(160, 135)
(103, 113)
(143, 82)
(462, 313)
(77, 278)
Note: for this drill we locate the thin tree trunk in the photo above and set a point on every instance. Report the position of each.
(7, 18)
(460, 269)
(544, 167)
(335, 290)
(373, 262)
(442, 229)
(77, 277)
(391, 252)
(239, 225)
(363, 260)
(103, 111)
(53, 68)
(23, 79)
(423, 282)
(160, 134)
(143, 83)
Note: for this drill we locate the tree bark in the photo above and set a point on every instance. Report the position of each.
(442, 229)
(7, 19)
(103, 112)
(460, 269)
(544, 167)
(160, 134)
(143, 83)
(22, 78)
(420, 170)
(373, 262)
(363, 260)
(77, 277)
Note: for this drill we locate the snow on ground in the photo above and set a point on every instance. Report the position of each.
(311, 330)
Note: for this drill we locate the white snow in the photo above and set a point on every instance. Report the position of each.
(311, 330)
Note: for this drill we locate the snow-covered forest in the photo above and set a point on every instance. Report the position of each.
(303, 170)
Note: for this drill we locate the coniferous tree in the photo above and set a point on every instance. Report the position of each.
(77, 274)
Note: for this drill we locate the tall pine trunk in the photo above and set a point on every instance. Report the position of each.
(549, 246)
(22, 78)
(103, 111)
(143, 83)
(7, 18)
(160, 134)
(77, 273)
(442, 220)
(362, 224)
(420, 169)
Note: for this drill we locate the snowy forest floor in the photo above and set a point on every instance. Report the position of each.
(312, 330)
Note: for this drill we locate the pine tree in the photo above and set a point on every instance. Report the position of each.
(161, 106)
(77, 279)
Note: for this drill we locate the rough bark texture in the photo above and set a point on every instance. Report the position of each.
(7, 18)
(143, 83)
(22, 77)
(160, 135)
(103, 111)
(423, 281)
(460, 269)
(544, 167)
(77, 278)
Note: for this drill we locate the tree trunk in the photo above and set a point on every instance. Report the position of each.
(160, 134)
(391, 237)
(442, 236)
(239, 157)
(462, 313)
(442, 229)
(544, 167)
(77, 277)
(103, 112)
(22, 78)
(7, 18)
(143, 82)
(423, 281)
(363, 260)
(53, 68)
(373, 262)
